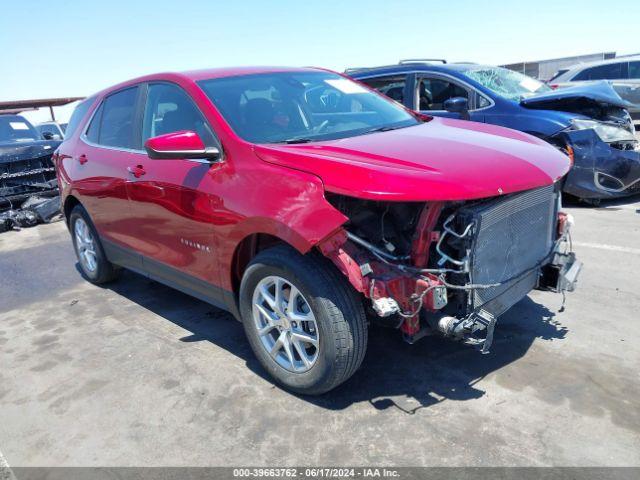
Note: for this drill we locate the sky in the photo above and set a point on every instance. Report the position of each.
(78, 47)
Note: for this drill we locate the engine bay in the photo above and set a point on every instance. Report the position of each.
(452, 267)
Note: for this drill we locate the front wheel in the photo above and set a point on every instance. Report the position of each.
(304, 322)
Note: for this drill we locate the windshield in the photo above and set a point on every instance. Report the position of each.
(507, 83)
(297, 107)
(14, 129)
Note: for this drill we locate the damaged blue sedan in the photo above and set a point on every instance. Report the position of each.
(590, 123)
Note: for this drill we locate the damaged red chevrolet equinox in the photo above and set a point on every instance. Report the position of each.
(308, 205)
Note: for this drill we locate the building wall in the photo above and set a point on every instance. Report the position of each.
(544, 69)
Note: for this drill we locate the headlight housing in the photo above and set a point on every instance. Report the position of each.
(607, 132)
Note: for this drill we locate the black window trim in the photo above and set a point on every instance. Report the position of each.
(137, 128)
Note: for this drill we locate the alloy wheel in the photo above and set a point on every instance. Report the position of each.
(285, 324)
(85, 246)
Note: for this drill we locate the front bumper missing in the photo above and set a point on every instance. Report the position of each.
(600, 170)
(561, 274)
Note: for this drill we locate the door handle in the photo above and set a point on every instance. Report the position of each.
(136, 171)
(83, 159)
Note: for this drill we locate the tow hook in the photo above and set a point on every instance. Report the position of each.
(463, 328)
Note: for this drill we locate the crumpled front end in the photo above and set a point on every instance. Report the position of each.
(28, 185)
(601, 170)
(453, 267)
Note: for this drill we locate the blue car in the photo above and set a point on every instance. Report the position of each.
(590, 122)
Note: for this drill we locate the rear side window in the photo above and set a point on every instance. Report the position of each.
(392, 87)
(76, 117)
(634, 70)
(113, 125)
(93, 133)
(611, 71)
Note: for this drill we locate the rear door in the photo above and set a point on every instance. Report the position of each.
(170, 206)
(102, 161)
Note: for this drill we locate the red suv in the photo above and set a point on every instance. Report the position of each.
(307, 205)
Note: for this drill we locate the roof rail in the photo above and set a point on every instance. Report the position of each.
(421, 60)
(356, 69)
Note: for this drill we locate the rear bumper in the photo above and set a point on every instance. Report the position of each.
(601, 171)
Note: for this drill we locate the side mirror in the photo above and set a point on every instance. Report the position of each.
(47, 135)
(458, 105)
(184, 144)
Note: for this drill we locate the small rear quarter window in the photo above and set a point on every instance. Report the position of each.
(78, 114)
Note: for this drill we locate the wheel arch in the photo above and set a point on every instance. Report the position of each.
(246, 250)
(69, 204)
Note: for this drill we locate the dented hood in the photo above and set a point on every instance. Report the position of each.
(443, 159)
(590, 94)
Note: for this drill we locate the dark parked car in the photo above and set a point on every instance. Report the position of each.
(300, 200)
(26, 168)
(590, 123)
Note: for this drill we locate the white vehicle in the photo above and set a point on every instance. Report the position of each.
(622, 72)
(51, 130)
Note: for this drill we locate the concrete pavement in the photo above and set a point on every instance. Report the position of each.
(137, 374)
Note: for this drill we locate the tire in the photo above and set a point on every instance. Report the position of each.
(339, 322)
(103, 271)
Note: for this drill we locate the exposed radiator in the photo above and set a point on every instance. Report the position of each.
(511, 235)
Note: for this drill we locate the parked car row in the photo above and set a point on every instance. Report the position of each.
(623, 73)
(308, 204)
(589, 122)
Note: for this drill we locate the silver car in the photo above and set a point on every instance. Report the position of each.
(622, 72)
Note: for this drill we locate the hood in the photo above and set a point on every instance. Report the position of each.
(443, 159)
(578, 98)
(14, 152)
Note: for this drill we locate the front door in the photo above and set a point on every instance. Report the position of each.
(172, 200)
(433, 90)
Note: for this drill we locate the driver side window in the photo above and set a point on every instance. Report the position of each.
(169, 109)
(433, 92)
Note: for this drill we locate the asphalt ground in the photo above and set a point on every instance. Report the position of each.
(137, 374)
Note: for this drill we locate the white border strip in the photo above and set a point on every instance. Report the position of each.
(5, 470)
(604, 246)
